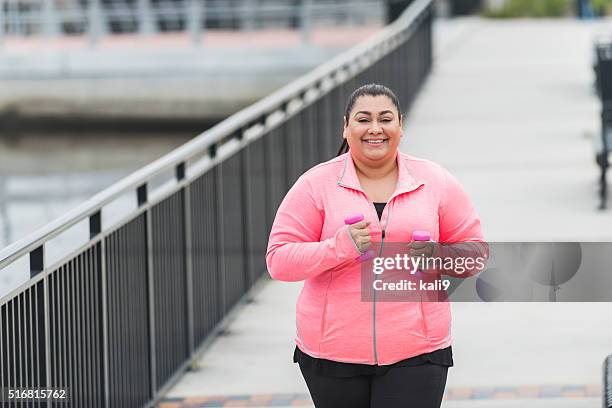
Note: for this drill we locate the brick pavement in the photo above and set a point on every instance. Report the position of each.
(452, 394)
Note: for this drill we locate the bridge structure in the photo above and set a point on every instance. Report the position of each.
(96, 19)
(148, 61)
(512, 115)
(117, 303)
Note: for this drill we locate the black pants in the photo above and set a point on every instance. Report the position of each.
(401, 387)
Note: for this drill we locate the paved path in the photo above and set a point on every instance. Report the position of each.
(510, 111)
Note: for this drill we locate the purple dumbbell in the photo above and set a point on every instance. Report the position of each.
(421, 236)
(354, 219)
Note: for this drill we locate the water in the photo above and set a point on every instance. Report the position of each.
(44, 175)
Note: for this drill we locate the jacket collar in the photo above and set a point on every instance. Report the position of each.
(406, 182)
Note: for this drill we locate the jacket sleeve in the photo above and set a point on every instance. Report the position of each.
(460, 232)
(295, 250)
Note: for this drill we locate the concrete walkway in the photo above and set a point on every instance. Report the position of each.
(510, 111)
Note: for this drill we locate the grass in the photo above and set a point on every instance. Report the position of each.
(531, 8)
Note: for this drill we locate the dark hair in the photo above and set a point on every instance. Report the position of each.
(367, 90)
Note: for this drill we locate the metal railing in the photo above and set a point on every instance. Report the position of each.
(118, 318)
(98, 18)
(607, 382)
(603, 145)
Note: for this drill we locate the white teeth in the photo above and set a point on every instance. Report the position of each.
(374, 141)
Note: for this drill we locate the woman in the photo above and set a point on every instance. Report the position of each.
(352, 353)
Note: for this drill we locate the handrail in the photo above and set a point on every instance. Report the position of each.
(255, 113)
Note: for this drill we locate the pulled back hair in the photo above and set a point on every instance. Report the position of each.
(367, 90)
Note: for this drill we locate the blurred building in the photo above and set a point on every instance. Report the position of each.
(26, 17)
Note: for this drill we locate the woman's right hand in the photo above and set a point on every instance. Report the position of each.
(360, 233)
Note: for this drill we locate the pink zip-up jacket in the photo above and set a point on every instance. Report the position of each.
(310, 242)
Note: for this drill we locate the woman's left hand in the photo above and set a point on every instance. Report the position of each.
(421, 248)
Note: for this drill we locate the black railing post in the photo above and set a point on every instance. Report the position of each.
(37, 261)
(142, 200)
(247, 220)
(188, 255)
(95, 224)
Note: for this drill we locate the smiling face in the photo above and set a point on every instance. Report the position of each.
(373, 130)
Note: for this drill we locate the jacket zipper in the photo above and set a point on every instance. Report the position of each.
(424, 325)
(382, 244)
